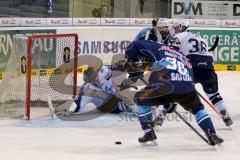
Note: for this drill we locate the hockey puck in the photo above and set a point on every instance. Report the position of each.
(118, 142)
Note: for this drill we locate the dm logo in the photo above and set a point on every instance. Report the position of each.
(236, 11)
(66, 54)
(181, 7)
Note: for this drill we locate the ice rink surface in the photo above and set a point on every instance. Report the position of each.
(52, 139)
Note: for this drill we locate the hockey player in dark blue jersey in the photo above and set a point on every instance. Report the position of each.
(170, 81)
(158, 32)
(149, 33)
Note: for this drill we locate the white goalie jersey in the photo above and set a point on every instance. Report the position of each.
(97, 93)
(192, 44)
(105, 80)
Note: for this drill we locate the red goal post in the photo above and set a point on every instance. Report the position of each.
(29, 64)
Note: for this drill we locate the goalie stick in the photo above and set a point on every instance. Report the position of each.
(183, 119)
(215, 44)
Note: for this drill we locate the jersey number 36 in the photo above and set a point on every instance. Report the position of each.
(197, 46)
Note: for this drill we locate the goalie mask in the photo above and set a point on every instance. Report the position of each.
(90, 75)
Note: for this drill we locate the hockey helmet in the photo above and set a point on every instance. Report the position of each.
(163, 22)
(90, 75)
(162, 26)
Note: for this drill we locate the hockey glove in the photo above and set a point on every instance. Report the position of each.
(121, 65)
(127, 82)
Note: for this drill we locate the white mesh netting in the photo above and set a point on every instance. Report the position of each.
(52, 68)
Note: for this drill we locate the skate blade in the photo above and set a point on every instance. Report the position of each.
(54, 116)
(156, 128)
(154, 143)
(219, 147)
(230, 127)
(150, 143)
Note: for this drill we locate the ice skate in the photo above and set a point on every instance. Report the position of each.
(148, 137)
(226, 118)
(213, 139)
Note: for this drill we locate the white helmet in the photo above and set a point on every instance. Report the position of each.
(181, 23)
(176, 23)
(184, 22)
(163, 22)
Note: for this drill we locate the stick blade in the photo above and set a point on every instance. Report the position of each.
(215, 44)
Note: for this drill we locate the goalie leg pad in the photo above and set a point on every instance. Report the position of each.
(73, 107)
(109, 105)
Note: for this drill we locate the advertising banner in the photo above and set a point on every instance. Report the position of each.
(106, 42)
(59, 21)
(63, 22)
(204, 22)
(194, 9)
(103, 42)
(86, 21)
(227, 52)
(33, 21)
(9, 22)
(140, 22)
(6, 47)
(114, 21)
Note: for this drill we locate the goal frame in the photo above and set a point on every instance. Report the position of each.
(29, 65)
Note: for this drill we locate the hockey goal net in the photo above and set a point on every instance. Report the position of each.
(40, 68)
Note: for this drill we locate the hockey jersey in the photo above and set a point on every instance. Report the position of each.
(148, 34)
(196, 49)
(178, 68)
(105, 80)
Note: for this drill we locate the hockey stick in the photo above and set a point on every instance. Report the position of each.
(183, 119)
(185, 29)
(209, 104)
(215, 44)
(189, 125)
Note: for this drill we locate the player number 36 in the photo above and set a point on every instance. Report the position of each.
(176, 65)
